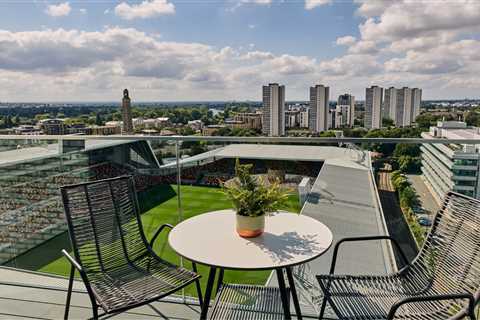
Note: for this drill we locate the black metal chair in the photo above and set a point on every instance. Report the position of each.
(442, 282)
(115, 261)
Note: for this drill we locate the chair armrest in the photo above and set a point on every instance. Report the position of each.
(471, 301)
(163, 226)
(366, 238)
(72, 261)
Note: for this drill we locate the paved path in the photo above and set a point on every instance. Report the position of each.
(427, 200)
(396, 223)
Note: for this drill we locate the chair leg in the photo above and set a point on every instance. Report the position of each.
(95, 312)
(197, 284)
(324, 306)
(69, 292)
(472, 314)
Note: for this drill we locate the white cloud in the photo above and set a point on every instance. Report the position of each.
(372, 8)
(60, 10)
(410, 19)
(107, 11)
(346, 41)
(258, 55)
(260, 2)
(240, 3)
(363, 47)
(146, 9)
(83, 11)
(311, 4)
(251, 26)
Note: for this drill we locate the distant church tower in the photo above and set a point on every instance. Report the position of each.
(126, 113)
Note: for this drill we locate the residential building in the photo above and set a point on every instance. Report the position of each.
(345, 111)
(195, 125)
(319, 108)
(250, 120)
(404, 107)
(274, 110)
(373, 107)
(390, 104)
(212, 129)
(454, 167)
(127, 113)
(27, 129)
(292, 118)
(304, 118)
(53, 126)
(416, 103)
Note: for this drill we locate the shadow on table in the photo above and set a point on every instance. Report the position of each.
(287, 245)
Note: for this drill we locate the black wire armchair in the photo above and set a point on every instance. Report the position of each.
(442, 282)
(115, 261)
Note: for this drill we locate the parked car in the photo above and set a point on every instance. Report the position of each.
(418, 210)
(423, 221)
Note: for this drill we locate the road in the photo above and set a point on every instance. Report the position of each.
(396, 223)
(426, 198)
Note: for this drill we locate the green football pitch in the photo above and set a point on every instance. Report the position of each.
(159, 205)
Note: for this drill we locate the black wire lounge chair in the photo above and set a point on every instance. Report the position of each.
(115, 261)
(442, 282)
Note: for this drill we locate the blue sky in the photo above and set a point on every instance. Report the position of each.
(222, 50)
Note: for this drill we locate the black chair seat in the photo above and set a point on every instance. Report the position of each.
(235, 301)
(147, 279)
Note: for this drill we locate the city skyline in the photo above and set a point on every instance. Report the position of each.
(177, 51)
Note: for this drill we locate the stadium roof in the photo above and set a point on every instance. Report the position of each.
(279, 152)
(29, 153)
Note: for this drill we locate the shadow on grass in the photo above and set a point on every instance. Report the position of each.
(50, 250)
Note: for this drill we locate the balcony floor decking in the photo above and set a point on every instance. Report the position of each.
(20, 302)
(33, 303)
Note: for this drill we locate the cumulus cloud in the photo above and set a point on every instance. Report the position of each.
(346, 41)
(59, 10)
(311, 4)
(406, 19)
(258, 55)
(144, 10)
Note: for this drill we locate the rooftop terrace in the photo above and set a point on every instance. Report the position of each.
(343, 196)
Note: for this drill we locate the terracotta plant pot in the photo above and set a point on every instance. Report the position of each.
(250, 227)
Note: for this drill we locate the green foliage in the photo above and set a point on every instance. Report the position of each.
(426, 120)
(472, 118)
(408, 198)
(416, 229)
(254, 196)
(406, 149)
(409, 164)
(387, 122)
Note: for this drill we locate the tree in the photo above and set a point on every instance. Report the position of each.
(408, 197)
(472, 118)
(387, 122)
(406, 149)
(98, 119)
(409, 164)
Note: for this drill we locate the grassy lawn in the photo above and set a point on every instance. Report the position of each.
(159, 206)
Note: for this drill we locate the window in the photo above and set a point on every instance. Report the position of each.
(465, 162)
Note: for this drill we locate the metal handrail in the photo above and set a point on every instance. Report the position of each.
(259, 139)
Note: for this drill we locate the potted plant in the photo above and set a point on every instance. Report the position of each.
(253, 197)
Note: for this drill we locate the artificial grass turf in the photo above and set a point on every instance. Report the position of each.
(160, 205)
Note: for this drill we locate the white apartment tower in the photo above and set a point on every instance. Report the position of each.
(416, 102)
(404, 107)
(319, 108)
(390, 103)
(274, 110)
(373, 107)
(345, 111)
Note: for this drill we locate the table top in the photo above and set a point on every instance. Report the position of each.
(211, 239)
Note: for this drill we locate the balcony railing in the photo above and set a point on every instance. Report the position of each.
(177, 177)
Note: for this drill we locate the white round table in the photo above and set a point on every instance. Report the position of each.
(289, 239)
